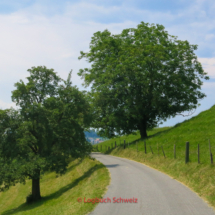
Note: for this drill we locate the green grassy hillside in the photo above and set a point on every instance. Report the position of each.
(197, 130)
(84, 178)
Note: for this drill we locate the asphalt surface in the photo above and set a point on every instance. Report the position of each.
(156, 192)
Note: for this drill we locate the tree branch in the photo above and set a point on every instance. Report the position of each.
(29, 175)
(33, 149)
(189, 114)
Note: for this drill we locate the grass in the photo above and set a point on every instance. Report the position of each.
(84, 178)
(197, 130)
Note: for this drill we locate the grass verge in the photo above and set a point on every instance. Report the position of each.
(84, 178)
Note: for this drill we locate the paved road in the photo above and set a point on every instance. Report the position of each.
(157, 193)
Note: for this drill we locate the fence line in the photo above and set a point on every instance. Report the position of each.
(189, 155)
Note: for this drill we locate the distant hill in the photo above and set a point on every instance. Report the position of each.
(91, 134)
(93, 137)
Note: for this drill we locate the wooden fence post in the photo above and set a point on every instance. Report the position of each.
(211, 155)
(198, 155)
(174, 151)
(187, 152)
(108, 147)
(163, 152)
(145, 146)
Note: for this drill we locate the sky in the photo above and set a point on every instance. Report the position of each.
(52, 33)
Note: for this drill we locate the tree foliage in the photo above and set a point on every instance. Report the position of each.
(140, 78)
(46, 130)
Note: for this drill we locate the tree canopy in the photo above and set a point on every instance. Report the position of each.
(140, 78)
(45, 131)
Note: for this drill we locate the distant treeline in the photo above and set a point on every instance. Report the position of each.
(91, 133)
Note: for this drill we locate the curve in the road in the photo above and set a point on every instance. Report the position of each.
(156, 192)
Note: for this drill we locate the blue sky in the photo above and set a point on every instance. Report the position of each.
(53, 32)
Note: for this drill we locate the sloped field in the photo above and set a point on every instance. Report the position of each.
(197, 130)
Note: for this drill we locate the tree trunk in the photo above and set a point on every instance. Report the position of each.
(142, 129)
(143, 133)
(36, 189)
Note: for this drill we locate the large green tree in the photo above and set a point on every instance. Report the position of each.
(45, 131)
(140, 78)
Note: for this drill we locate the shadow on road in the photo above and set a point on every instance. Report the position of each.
(112, 165)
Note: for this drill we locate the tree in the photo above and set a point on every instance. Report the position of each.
(46, 130)
(140, 78)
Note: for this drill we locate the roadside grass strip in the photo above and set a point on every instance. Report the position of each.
(84, 178)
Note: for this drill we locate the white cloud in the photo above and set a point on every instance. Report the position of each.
(4, 105)
(208, 66)
(209, 36)
(31, 40)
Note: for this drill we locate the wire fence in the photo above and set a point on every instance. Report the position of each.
(201, 153)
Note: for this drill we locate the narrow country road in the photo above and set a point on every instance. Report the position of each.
(156, 193)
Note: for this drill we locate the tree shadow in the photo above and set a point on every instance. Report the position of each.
(26, 207)
(112, 165)
(119, 147)
(158, 133)
(74, 165)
